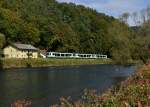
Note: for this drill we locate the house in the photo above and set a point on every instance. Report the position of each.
(17, 50)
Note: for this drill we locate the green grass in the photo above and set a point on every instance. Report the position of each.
(15, 63)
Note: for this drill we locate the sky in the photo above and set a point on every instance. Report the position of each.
(113, 7)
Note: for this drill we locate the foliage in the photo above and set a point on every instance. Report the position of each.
(2, 41)
(141, 43)
(63, 27)
(21, 103)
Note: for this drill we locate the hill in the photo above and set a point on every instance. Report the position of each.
(63, 27)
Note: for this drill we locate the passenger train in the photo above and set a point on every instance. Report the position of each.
(75, 55)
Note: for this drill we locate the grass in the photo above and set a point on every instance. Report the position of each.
(17, 63)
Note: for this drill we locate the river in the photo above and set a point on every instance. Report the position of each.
(44, 86)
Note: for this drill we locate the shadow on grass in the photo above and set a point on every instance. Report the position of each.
(29, 65)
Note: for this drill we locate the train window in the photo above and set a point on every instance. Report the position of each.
(57, 54)
(68, 54)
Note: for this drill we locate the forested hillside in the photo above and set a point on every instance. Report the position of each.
(63, 27)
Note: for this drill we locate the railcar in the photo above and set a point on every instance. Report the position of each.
(75, 55)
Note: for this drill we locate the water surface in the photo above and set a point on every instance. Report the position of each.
(44, 86)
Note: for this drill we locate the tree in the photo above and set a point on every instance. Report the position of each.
(143, 16)
(124, 17)
(119, 42)
(63, 27)
(135, 18)
(2, 41)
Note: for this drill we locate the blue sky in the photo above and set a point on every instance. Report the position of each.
(113, 7)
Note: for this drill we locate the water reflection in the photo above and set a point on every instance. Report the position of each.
(44, 86)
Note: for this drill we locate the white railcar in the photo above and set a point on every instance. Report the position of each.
(75, 55)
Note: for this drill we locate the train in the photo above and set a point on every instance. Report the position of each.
(75, 55)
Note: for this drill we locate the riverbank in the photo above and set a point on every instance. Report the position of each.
(134, 92)
(23, 63)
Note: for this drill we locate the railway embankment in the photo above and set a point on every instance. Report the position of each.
(24, 63)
